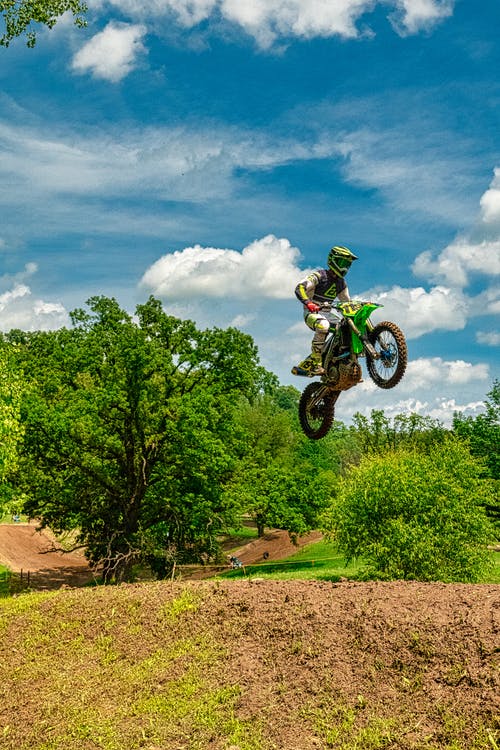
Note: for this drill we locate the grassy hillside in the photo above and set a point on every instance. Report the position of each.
(242, 665)
(322, 561)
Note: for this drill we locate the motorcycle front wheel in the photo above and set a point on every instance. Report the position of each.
(389, 342)
(317, 410)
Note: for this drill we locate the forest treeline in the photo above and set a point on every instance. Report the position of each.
(148, 439)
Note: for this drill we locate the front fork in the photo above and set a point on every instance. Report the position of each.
(363, 337)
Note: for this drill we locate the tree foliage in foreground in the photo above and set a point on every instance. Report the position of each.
(483, 434)
(416, 515)
(129, 434)
(379, 433)
(275, 482)
(19, 15)
(11, 387)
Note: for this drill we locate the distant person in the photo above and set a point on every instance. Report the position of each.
(322, 285)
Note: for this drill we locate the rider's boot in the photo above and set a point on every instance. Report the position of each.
(310, 366)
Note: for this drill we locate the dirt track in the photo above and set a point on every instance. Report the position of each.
(23, 548)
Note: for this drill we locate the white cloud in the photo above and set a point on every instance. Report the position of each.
(18, 279)
(418, 311)
(489, 338)
(490, 202)
(112, 53)
(269, 20)
(429, 387)
(413, 15)
(178, 163)
(265, 268)
(241, 321)
(457, 261)
(426, 373)
(412, 178)
(477, 253)
(18, 309)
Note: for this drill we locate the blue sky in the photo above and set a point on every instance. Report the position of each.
(210, 151)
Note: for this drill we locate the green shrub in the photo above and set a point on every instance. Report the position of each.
(416, 515)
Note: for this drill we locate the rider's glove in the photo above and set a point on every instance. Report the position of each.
(312, 306)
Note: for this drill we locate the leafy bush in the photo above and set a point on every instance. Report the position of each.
(416, 515)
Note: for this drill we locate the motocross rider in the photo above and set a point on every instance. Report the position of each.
(322, 285)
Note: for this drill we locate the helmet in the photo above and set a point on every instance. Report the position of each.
(340, 259)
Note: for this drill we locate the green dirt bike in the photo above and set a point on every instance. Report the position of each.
(352, 335)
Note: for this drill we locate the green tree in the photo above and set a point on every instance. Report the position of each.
(379, 433)
(129, 434)
(415, 515)
(279, 481)
(483, 435)
(19, 15)
(11, 387)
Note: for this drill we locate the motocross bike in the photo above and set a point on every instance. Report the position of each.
(352, 335)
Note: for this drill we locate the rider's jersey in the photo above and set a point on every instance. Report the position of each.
(320, 286)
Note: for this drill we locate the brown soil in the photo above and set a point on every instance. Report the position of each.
(274, 545)
(23, 548)
(310, 665)
(317, 665)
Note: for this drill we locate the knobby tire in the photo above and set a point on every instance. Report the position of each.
(388, 339)
(315, 423)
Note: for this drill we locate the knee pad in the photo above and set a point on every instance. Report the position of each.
(321, 325)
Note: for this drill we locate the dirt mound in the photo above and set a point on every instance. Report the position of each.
(24, 548)
(274, 545)
(254, 665)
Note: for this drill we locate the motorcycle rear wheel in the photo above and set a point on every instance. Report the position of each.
(389, 342)
(316, 416)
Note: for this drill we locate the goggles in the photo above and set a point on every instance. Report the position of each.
(343, 262)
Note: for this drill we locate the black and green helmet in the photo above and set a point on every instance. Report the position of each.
(340, 259)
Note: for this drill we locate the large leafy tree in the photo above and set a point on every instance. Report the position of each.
(483, 435)
(415, 515)
(279, 480)
(129, 435)
(379, 433)
(11, 387)
(20, 15)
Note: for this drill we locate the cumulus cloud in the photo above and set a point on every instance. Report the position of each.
(112, 53)
(427, 372)
(458, 260)
(269, 20)
(418, 311)
(429, 388)
(265, 268)
(490, 202)
(488, 338)
(411, 16)
(18, 309)
(477, 252)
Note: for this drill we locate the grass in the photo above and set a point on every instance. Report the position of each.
(8, 518)
(116, 670)
(494, 575)
(4, 581)
(323, 561)
(319, 560)
(146, 667)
